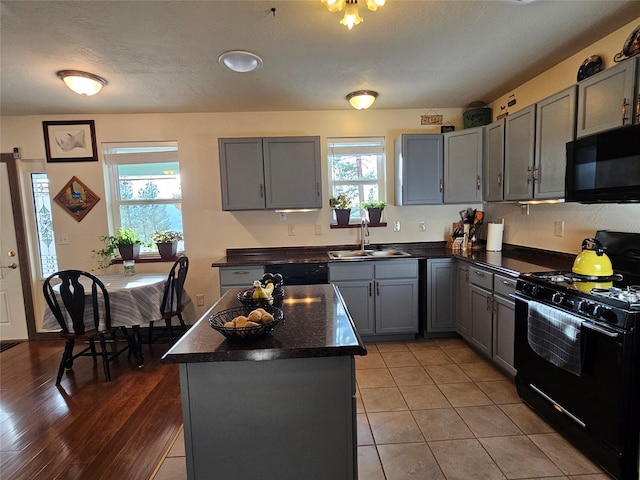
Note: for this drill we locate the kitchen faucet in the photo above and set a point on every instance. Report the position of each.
(364, 232)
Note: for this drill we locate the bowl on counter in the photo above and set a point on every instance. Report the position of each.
(220, 322)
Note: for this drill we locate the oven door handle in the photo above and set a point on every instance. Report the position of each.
(599, 329)
(518, 297)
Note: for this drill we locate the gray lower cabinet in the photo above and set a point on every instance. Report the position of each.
(441, 275)
(462, 305)
(270, 173)
(234, 277)
(419, 169)
(486, 314)
(607, 99)
(463, 165)
(241, 416)
(503, 322)
(382, 296)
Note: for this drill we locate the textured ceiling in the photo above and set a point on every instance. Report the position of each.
(161, 56)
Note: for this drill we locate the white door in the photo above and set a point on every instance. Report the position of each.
(13, 322)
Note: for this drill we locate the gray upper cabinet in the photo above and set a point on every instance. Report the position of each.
(419, 165)
(519, 154)
(463, 165)
(494, 161)
(270, 173)
(555, 126)
(607, 99)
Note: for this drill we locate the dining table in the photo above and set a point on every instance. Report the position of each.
(134, 300)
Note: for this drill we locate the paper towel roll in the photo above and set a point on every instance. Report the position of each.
(494, 237)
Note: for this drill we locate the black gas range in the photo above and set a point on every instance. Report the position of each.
(577, 354)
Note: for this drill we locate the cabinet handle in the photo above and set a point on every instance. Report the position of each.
(536, 172)
(261, 191)
(625, 104)
(638, 109)
(529, 175)
(377, 289)
(240, 272)
(489, 303)
(441, 185)
(507, 283)
(369, 288)
(478, 182)
(500, 179)
(318, 189)
(479, 273)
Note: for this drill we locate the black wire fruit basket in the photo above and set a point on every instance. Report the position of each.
(221, 321)
(275, 300)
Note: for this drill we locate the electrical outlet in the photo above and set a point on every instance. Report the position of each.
(396, 226)
(318, 229)
(558, 227)
(291, 230)
(200, 300)
(63, 239)
(422, 226)
(282, 216)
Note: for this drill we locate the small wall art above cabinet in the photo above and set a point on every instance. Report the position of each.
(270, 173)
(609, 99)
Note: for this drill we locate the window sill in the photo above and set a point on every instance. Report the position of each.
(357, 225)
(151, 259)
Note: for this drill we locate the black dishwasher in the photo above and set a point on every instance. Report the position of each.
(301, 273)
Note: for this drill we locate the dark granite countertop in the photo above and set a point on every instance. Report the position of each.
(315, 324)
(512, 260)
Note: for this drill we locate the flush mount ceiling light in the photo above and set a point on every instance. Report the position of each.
(240, 61)
(362, 99)
(83, 83)
(351, 15)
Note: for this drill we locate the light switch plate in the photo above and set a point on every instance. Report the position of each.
(558, 227)
(291, 230)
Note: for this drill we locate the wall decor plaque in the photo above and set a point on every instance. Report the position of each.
(76, 198)
(70, 141)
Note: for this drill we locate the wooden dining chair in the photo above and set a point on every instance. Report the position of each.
(173, 300)
(81, 295)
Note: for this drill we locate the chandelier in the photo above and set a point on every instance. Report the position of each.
(351, 15)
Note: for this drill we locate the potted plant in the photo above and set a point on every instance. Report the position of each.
(341, 203)
(126, 242)
(374, 210)
(167, 242)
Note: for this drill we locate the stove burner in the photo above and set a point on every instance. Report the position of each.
(570, 277)
(630, 294)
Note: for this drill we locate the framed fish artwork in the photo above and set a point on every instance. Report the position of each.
(76, 198)
(70, 141)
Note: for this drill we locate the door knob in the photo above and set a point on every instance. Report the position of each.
(13, 266)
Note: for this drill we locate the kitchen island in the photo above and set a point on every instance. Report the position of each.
(279, 407)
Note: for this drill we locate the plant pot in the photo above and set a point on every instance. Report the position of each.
(129, 251)
(342, 216)
(374, 215)
(168, 249)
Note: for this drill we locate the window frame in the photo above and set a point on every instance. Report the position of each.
(370, 145)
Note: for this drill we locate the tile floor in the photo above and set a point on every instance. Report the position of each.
(436, 410)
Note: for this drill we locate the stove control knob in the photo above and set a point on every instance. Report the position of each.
(597, 311)
(557, 298)
(530, 288)
(586, 307)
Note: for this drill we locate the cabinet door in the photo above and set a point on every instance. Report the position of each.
(396, 306)
(358, 297)
(241, 173)
(518, 154)
(292, 172)
(481, 319)
(419, 169)
(494, 161)
(555, 126)
(463, 165)
(503, 333)
(440, 295)
(463, 302)
(602, 97)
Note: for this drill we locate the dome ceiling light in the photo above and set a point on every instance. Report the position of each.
(240, 61)
(351, 14)
(82, 83)
(362, 99)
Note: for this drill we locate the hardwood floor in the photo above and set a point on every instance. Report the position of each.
(86, 428)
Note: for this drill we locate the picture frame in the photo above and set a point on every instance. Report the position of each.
(76, 198)
(70, 141)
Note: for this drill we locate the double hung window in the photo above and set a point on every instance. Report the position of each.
(146, 194)
(357, 169)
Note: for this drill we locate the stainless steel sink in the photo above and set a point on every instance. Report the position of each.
(362, 254)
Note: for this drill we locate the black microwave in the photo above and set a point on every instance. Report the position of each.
(604, 167)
